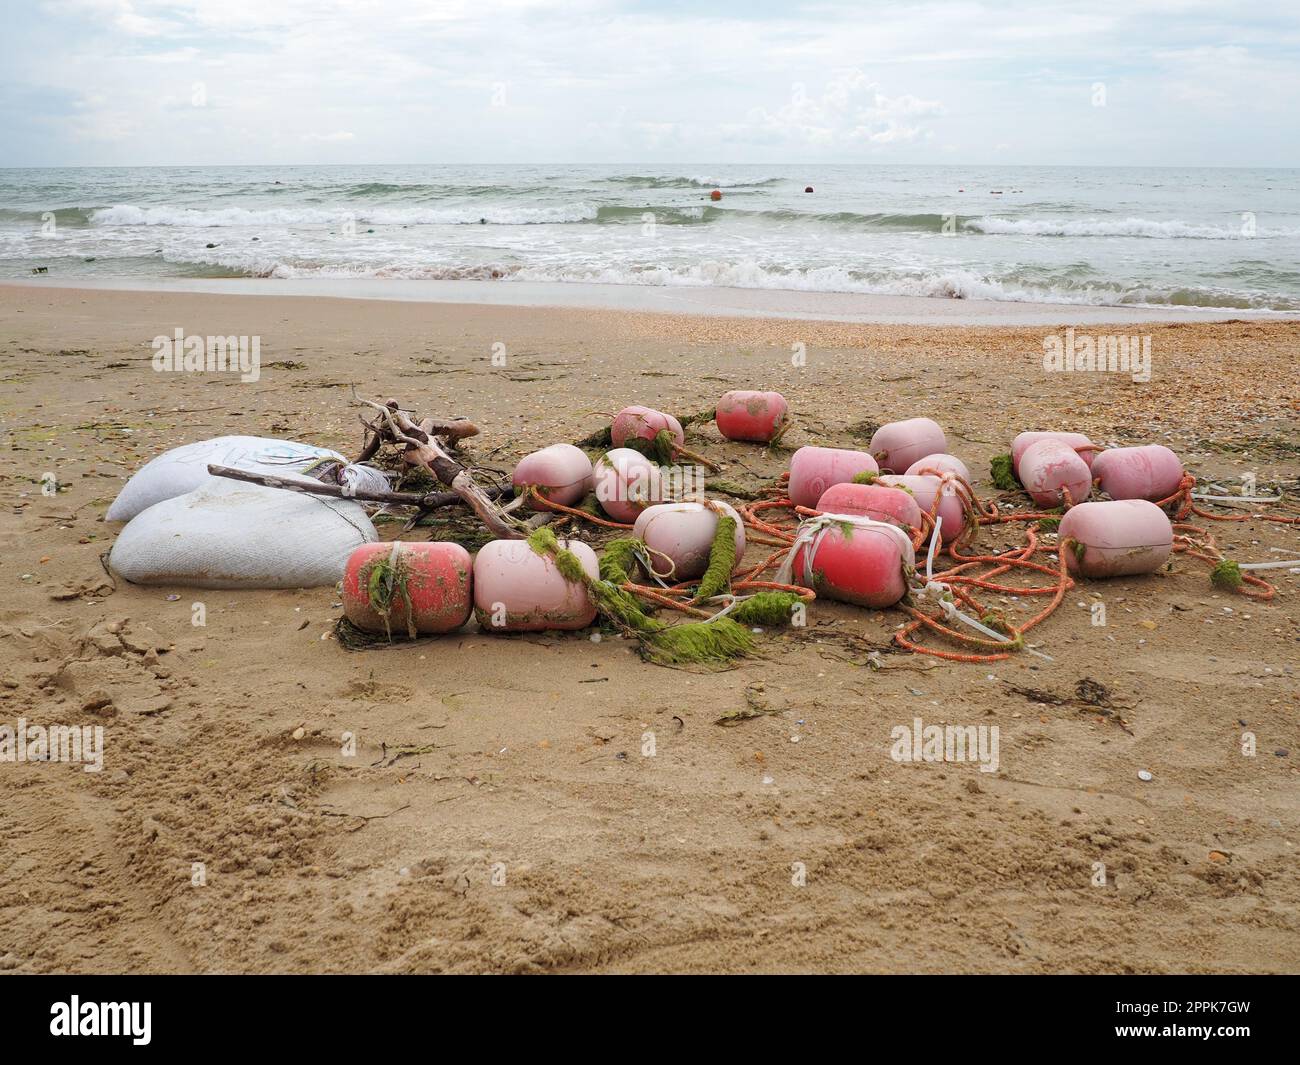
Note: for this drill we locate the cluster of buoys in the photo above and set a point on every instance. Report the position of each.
(867, 528)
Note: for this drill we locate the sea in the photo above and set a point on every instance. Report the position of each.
(1105, 236)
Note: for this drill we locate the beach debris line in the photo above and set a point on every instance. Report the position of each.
(842, 528)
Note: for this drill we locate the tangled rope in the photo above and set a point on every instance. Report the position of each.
(1047, 578)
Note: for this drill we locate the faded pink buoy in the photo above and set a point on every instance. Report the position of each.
(1149, 472)
(896, 445)
(752, 416)
(434, 593)
(925, 489)
(1049, 468)
(815, 469)
(644, 422)
(943, 463)
(1024, 441)
(1116, 538)
(561, 473)
(879, 502)
(626, 482)
(684, 532)
(855, 561)
(518, 590)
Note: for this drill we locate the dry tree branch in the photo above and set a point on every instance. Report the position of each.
(423, 448)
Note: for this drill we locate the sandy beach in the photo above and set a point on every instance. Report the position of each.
(498, 814)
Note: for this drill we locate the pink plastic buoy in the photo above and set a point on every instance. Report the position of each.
(925, 489)
(1024, 441)
(1150, 472)
(879, 502)
(1049, 468)
(943, 463)
(1117, 538)
(626, 482)
(561, 473)
(518, 590)
(753, 416)
(645, 423)
(684, 532)
(431, 593)
(815, 469)
(896, 445)
(856, 561)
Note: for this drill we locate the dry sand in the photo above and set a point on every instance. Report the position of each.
(530, 833)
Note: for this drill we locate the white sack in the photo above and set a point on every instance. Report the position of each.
(235, 535)
(185, 468)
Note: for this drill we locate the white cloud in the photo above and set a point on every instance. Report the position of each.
(329, 138)
(605, 80)
(849, 110)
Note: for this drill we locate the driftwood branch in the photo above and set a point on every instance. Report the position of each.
(423, 448)
(425, 500)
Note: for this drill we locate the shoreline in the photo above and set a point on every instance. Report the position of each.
(704, 301)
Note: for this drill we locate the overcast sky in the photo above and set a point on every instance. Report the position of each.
(122, 82)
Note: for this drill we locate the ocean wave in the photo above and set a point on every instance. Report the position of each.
(945, 283)
(617, 213)
(1120, 227)
(130, 215)
(659, 181)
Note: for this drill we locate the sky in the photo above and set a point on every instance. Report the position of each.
(246, 82)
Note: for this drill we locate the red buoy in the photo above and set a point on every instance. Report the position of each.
(926, 489)
(1024, 441)
(518, 590)
(753, 416)
(878, 502)
(815, 469)
(855, 561)
(1050, 468)
(1116, 538)
(560, 472)
(896, 445)
(423, 585)
(644, 422)
(1150, 472)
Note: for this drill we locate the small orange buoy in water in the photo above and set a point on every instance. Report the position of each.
(715, 195)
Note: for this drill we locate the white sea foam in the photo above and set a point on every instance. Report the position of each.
(130, 215)
(1116, 227)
